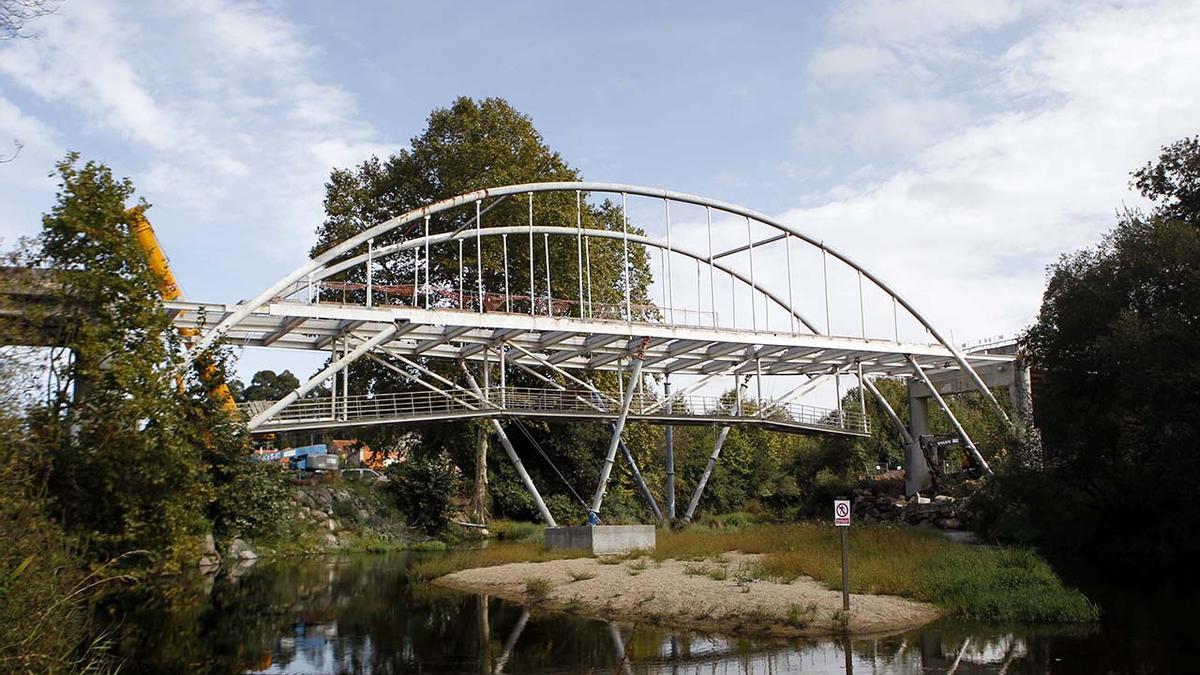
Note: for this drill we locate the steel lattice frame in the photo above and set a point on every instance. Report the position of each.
(567, 338)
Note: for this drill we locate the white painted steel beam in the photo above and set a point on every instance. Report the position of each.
(312, 383)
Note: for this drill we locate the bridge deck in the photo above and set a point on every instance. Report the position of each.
(427, 406)
(569, 342)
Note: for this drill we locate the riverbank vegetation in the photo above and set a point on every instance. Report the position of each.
(1118, 354)
(117, 463)
(977, 582)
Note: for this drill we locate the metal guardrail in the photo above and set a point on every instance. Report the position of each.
(421, 295)
(399, 406)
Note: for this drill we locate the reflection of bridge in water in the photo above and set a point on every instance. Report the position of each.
(744, 328)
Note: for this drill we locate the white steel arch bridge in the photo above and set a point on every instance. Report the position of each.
(561, 339)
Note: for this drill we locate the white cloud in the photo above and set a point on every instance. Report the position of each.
(850, 61)
(888, 125)
(967, 227)
(218, 111)
(905, 20)
(227, 124)
(28, 140)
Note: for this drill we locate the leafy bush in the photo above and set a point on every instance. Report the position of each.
(251, 500)
(515, 530)
(991, 584)
(423, 489)
(346, 513)
(537, 589)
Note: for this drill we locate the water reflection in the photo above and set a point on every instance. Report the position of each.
(361, 615)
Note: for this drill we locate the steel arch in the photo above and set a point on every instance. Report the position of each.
(209, 337)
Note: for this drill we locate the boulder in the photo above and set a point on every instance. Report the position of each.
(241, 550)
(318, 516)
(209, 558)
(331, 540)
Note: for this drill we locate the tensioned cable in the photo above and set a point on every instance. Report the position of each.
(537, 446)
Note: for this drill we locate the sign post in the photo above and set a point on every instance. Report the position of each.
(841, 519)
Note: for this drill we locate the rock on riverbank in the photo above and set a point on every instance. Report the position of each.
(713, 596)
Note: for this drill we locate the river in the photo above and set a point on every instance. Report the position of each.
(360, 614)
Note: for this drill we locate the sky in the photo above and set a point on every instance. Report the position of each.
(954, 147)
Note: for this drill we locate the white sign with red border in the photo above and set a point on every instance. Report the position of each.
(841, 512)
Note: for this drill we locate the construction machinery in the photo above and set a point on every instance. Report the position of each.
(169, 289)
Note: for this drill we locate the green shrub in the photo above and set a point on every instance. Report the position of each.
(537, 589)
(345, 513)
(516, 530)
(431, 545)
(251, 500)
(423, 490)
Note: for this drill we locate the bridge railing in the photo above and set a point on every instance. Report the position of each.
(421, 296)
(534, 401)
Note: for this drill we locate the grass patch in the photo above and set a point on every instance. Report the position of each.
(431, 545)
(801, 616)
(582, 575)
(537, 589)
(985, 583)
(498, 554)
(840, 621)
(636, 567)
(517, 530)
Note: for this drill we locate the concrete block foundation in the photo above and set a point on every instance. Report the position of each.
(602, 539)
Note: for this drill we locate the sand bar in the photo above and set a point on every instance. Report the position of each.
(694, 595)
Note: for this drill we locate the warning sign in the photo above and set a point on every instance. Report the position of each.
(841, 513)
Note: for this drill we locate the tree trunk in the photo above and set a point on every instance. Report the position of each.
(479, 495)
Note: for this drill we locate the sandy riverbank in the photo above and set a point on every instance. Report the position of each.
(713, 596)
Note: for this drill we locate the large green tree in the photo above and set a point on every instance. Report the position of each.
(126, 475)
(267, 385)
(140, 458)
(1117, 341)
(470, 145)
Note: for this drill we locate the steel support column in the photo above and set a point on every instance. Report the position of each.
(331, 370)
(639, 481)
(712, 462)
(611, 456)
(962, 433)
(670, 460)
(887, 408)
(512, 456)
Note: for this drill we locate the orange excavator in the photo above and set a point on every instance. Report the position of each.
(169, 289)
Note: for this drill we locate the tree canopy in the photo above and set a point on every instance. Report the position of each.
(266, 385)
(1117, 342)
(470, 145)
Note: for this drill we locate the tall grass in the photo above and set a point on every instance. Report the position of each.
(496, 554)
(978, 582)
(986, 583)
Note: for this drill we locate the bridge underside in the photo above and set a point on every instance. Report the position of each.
(555, 334)
(417, 408)
(556, 347)
(568, 342)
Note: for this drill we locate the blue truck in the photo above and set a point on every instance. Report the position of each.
(307, 458)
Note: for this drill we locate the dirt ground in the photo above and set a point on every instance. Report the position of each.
(712, 596)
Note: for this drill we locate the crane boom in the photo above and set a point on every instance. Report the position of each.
(169, 289)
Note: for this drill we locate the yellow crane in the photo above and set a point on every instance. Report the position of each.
(169, 289)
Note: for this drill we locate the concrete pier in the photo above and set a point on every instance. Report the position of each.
(602, 539)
